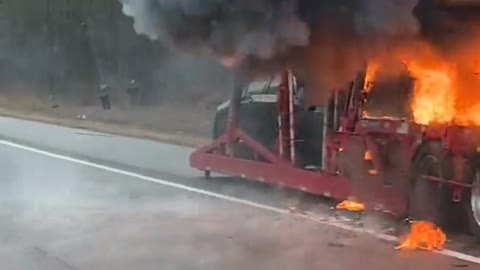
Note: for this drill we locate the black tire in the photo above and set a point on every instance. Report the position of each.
(472, 202)
(428, 200)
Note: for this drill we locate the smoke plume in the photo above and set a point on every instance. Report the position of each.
(264, 28)
(392, 17)
(325, 41)
(241, 27)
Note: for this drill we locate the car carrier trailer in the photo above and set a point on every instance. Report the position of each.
(337, 151)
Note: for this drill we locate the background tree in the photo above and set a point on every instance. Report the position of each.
(64, 49)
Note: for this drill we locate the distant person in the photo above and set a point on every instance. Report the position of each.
(133, 92)
(83, 26)
(105, 96)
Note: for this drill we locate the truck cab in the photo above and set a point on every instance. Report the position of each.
(258, 116)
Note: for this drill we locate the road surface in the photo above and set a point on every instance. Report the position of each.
(75, 199)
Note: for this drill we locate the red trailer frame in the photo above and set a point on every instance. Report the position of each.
(278, 166)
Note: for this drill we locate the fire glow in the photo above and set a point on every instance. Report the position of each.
(231, 61)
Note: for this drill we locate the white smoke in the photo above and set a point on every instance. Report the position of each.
(261, 28)
(390, 17)
(143, 22)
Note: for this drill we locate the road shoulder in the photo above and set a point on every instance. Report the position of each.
(127, 130)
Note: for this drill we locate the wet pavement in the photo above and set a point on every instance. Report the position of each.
(56, 214)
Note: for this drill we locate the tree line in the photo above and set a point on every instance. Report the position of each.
(65, 49)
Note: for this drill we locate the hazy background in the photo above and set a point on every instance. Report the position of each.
(62, 50)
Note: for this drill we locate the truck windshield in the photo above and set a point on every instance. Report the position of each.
(264, 87)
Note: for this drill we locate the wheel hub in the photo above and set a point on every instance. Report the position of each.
(475, 198)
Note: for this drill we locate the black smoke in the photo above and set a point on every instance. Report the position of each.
(265, 28)
(325, 41)
(447, 26)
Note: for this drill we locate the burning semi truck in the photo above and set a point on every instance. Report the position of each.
(403, 136)
(410, 145)
(421, 162)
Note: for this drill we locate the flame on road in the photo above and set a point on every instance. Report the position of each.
(351, 206)
(424, 236)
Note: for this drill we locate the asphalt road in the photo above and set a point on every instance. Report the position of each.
(75, 199)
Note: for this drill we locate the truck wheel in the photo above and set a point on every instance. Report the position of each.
(472, 206)
(426, 198)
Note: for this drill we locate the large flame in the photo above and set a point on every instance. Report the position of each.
(425, 236)
(446, 87)
(433, 96)
(372, 70)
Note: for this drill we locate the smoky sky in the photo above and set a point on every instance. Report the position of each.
(264, 28)
(327, 41)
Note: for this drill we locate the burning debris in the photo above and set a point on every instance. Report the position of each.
(351, 206)
(424, 236)
(368, 155)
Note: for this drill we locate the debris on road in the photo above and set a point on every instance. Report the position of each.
(351, 206)
(424, 236)
(335, 245)
(296, 211)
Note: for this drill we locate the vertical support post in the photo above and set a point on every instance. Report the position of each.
(324, 138)
(233, 109)
(355, 101)
(283, 118)
(335, 110)
(291, 116)
(50, 41)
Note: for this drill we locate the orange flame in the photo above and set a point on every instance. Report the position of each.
(370, 75)
(434, 98)
(444, 84)
(351, 206)
(368, 155)
(424, 236)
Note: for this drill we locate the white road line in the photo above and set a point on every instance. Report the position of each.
(321, 220)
